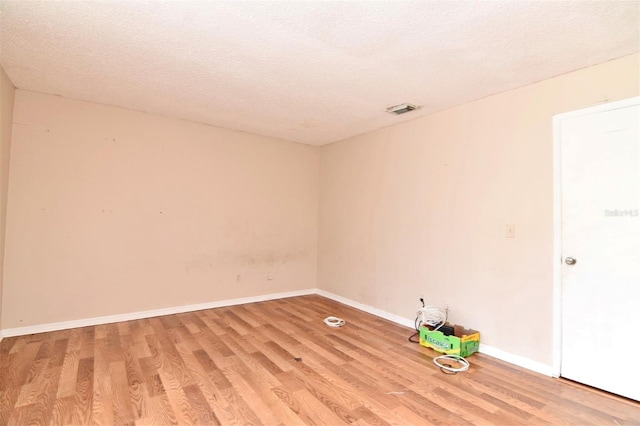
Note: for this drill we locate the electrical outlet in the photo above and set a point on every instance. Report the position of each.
(238, 278)
(270, 276)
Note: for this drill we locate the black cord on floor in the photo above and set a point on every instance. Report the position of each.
(417, 333)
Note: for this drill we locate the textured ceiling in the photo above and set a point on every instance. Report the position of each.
(307, 71)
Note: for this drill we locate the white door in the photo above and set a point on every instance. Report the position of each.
(600, 245)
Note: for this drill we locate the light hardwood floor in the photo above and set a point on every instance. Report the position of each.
(274, 363)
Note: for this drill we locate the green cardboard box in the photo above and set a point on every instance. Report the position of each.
(464, 344)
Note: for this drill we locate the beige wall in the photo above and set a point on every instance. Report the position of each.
(115, 211)
(420, 209)
(7, 93)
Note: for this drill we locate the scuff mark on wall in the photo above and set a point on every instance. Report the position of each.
(243, 260)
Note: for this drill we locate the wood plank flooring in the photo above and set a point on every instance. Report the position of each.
(274, 363)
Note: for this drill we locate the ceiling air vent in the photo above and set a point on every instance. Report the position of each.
(401, 109)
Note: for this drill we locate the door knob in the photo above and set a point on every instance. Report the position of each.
(570, 261)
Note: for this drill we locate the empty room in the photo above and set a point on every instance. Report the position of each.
(319, 212)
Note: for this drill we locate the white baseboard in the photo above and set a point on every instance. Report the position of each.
(369, 309)
(21, 331)
(518, 360)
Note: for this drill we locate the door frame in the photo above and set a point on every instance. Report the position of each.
(557, 218)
